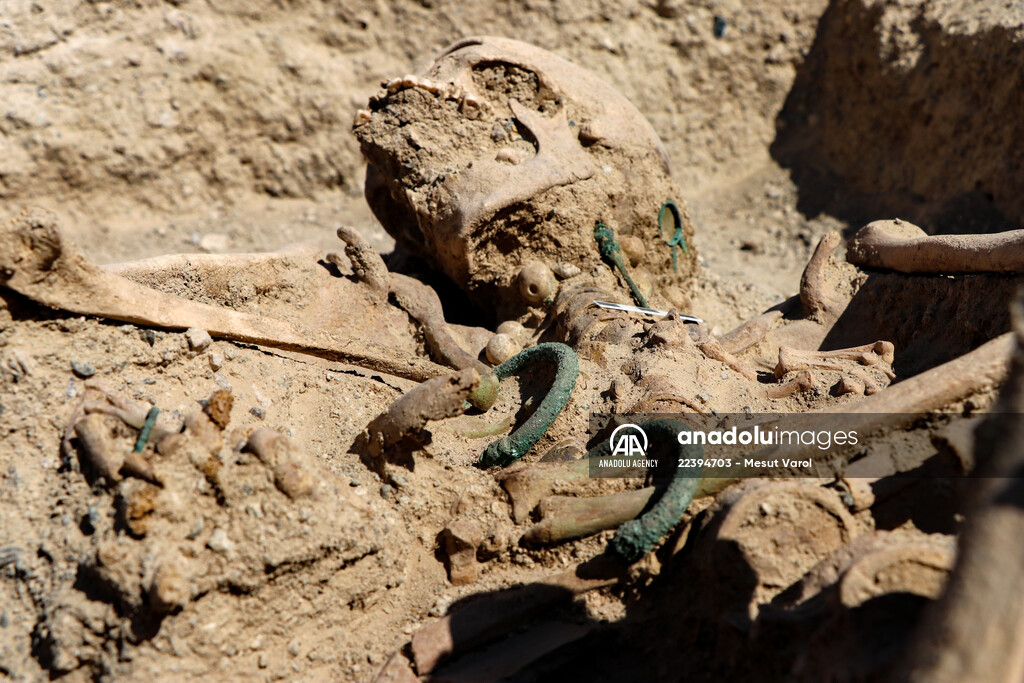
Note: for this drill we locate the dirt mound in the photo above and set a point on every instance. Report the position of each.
(904, 109)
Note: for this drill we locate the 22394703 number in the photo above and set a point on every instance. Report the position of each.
(705, 462)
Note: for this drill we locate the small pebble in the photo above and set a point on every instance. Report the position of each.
(725, 375)
(148, 336)
(216, 361)
(82, 369)
(198, 339)
(258, 412)
(386, 491)
(214, 242)
(566, 270)
(197, 528)
(91, 520)
(399, 480)
(219, 542)
(440, 607)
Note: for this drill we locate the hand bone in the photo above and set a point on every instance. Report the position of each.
(422, 304)
(879, 353)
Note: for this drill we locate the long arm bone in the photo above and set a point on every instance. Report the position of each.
(750, 332)
(422, 304)
(38, 263)
(904, 247)
(223, 266)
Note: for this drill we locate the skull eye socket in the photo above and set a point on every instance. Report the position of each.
(501, 81)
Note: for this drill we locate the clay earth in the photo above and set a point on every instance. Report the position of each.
(259, 261)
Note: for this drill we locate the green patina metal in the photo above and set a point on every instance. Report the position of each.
(637, 537)
(677, 239)
(514, 446)
(147, 429)
(484, 395)
(611, 252)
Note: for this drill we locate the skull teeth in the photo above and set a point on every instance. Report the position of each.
(447, 90)
(361, 117)
(469, 104)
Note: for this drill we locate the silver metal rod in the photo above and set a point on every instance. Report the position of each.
(645, 311)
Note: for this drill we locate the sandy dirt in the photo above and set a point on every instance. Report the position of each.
(155, 128)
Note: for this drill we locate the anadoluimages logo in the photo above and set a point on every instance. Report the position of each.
(628, 440)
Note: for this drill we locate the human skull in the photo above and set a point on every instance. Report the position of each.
(501, 154)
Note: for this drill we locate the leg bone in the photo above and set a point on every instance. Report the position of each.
(38, 263)
(904, 247)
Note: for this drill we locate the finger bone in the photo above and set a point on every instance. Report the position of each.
(791, 359)
(422, 303)
(871, 387)
(713, 349)
(366, 262)
(848, 385)
(406, 418)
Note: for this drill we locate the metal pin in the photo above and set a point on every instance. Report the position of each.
(645, 311)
